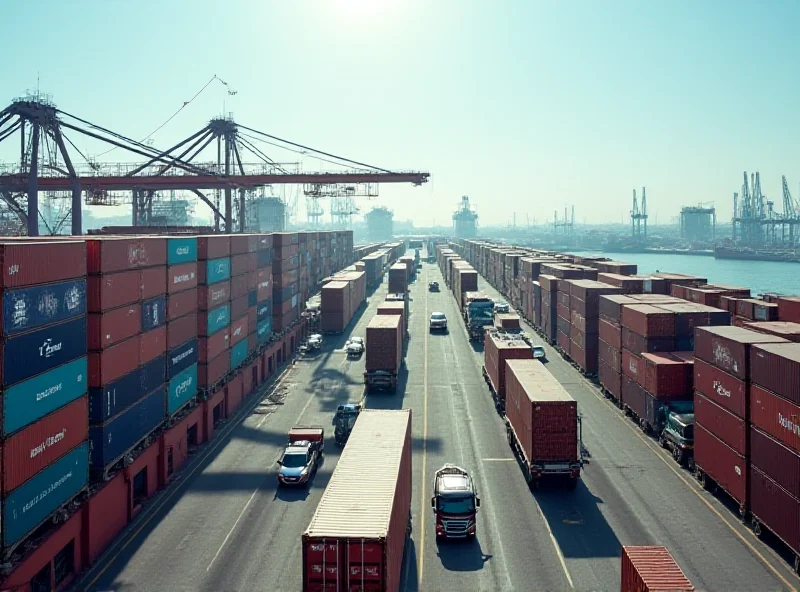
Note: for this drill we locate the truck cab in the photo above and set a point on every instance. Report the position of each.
(302, 455)
(478, 314)
(344, 420)
(678, 437)
(455, 503)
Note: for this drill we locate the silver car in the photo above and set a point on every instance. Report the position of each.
(438, 322)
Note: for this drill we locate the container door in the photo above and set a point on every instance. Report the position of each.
(365, 566)
(322, 564)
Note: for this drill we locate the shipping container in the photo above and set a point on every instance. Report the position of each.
(153, 281)
(32, 353)
(611, 333)
(610, 355)
(648, 320)
(213, 246)
(182, 330)
(498, 348)
(775, 459)
(667, 376)
(728, 348)
(181, 250)
(211, 347)
(721, 463)
(774, 507)
(152, 344)
(239, 287)
(239, 264)
(264, 330)
(239, 330)
(107, 401)
(40, 444)
(181, 304)
(113, 326)
(398, 278)
(787, 330)
(209, 374)
(116, 437)
(726, 426)
(28, 506)
(652, 569)
(153, 313)
(109, 291)
(264, 309)
(114, 362)
(776, 367)
(181, 357)
(25, 309)
(181, 277)
(215, 320)
(27, 263)
(610, 379)
(775, 415)
(610, 306)
(210, 297)
(373, 480)
(265, 259)
(639, 344)
(384, 344)
(182, 388)
(633, 367)
(244, 243)
(239, 307)
(722, 388)
(214, 270)
(238, 354)
(109, 254)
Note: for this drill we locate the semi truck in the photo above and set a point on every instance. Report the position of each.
(384, 352)
(478, 313)
(455, 503)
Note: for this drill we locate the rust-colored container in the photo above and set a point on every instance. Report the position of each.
(209, 348)
(42, 443)
(728, 348)
(507, 321)
(776, 367)
(208, 374)
(384, 343)
(775, 415)
(181, 330)
(398, 278)
(687, 317)
(648, 320)
(181, 277)
(393, 308)
(775, 459)
(239, 264)
(239, 330)
(726, 426)
(652, 569)
(181, 304)
(789, 308)
(239, 307)
(252, 280)
(563, 341)
(722, 463)
(610, 379)
(252, 318)
(27, 263)
(114, 362)
(498, 348)
(109, 254)
(106, 329)
(244, 243)
(152, 344)
(667, 377)
(611, 333)
(264, 284)
(785, 329)
(610, 355)
(213, 246)
(634, 396)
(153, 281)
(109, 291)
(238, 286)
(775, 508)
(583, 349)
(722, 388)
(610, 306)
(633, 367)
(639, 344)
(210, 297)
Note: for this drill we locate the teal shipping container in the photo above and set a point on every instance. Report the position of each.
(34, 398)
(238, 354)
(218, 270)
(33, 502)
(181, 250)
(182, 388)
(264, 330)
(219, 318)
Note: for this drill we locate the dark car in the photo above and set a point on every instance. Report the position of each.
(433, 287)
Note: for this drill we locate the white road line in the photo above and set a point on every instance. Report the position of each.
(557, 548)
(232, 529)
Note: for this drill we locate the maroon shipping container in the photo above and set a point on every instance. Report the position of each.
(238, 286)
(181, 330)
(628, 284)
(210, 297)
(687, 317)
(239, 307)
(213, 246)
(153, 281)
(334, 321)
(393, 308)
(209, 348)
(722, 463)
(726, 426)
(610, 306)
(648, 320)
(252, 280)
(239, 330)
(208, 374)
(26, 263)
(384, 343)
(563, 341)
(372, 478)
(610, 379)
(667, 377)
(181, 304)
(584, 352)
(108, 254)
(507, 321)
(264, 284)
(498, 348)
(652, 569)
(252, 318)
(244, 243)
(789, 308)
(728, 348)
(776, 416)
(107, 328)
(610, 355)
(775, 459)
(775, 508)
(152, 344)
(611, 333)
(114, 362)
(398, 279)
(722, 388)
(633, 367)
(785, 329)
(634, 396)
(181, 277)
(549, 283)
(240, 264)
(639, 344)
(106, 292)
(776, 367)
(40, 444)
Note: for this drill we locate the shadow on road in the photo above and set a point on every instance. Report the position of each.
(461, 555)
(409, 579)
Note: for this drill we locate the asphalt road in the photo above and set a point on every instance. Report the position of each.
(228, 528)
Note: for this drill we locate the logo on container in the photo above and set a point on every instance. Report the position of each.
(634, 368)
(237, 332)
(13, 269)
(137, 255)
(183, 278)
(182, 356)
(184, 386)
(19, 318)
(155, 313)
(182, 251)
(72, 299)
(48, 348)
(221, 267)
(49, 391)
(723, 357)
(789, 424)
(49, 441)
(217, 295)
(48, 305)
(721, 390)
(221, 316)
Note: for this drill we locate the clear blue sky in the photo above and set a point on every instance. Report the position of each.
(524, 106)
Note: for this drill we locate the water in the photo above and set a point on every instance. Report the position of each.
(759, 276)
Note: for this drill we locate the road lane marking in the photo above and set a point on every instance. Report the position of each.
(557, 548)
(230, 532)
(421, 567)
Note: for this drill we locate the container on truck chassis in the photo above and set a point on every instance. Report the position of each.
(398, 278)
(498, 348)
(478, 313)
(357, 537)
(466, 280)
(652, 569)
(384, 352)
(542, 423)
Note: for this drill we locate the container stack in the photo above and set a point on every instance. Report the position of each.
(395, 308)
(214, 293)
(244, 277)
(398, 279)
(341, 299)
(584, 321)
(724, 399)
(127, 343)
(44, 369)
(264, 292)
(285, 280)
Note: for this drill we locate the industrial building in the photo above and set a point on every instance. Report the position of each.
(465, 220)
(380, 224)
(698, 223)
(266, 214)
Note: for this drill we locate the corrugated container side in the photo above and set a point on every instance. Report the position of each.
(30, 263)
(384, 343)
(610, 333)
(109, 291)
(639, 344)
(210, 297)
(610, 379)
(181, 277)
(648, 320)
(728, 348)
(209, 374)
(181, 304)
(181, 389)
(634, 396)
(722, 388)
(211, 347)
(775, 507)
(25, 309)
(153, 282)
(181, 357)
(667, 376)
(776, 367)
(777, 416)
(726, 426)
(213, 246)
(152, 344)
(108, 254)
(181, 250)
(182, 330)
(652, 569)
(775, 459)
(114, 362)
(722, 463)
(107, 328)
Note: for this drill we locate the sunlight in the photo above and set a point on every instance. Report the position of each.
(356, 8)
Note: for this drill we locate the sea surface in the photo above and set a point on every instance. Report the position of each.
(759, 276)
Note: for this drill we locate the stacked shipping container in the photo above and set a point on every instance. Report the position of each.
(214, 303)
(285, 279)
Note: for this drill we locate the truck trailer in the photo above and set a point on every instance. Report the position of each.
(384, 352)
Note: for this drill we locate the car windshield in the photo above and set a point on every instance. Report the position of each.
(538, 349)
(294, 461)
(457, 505)
(438, 316)
(357, 340)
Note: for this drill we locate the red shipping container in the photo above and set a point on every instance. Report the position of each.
(153, 282)
(106, 329)
(108, 254)
(384, 343)
(213, 246)
(211, 373)
(114, 362)
(239, 307)
(244, 243)
(499, 348)
(639, 344)
(181, 304)
(210, 297)
(722, 388)
(239, 265)
(776, 416)
(787, 330)
(152, 344)
(247, 379)
(610, 306)
(252, 280)
(181, 330)
(26, 263)
(610, 333)
(40, 444)
(776, 367)
(585, 354)
(728, 348)
(722, 423)
(252, 261)
(233, 394)
(209, 348)
(563, 341)
(775, 508)
(181, 277)
(252, 318)
(239, 330)
(633, 367)
(238, 286)
(789, 308)
(610, 379)
(634, 396)
(542, 413)
(648, 320)
(652, 569)
(722, 463)
(666, 376)
(778, 461)
(264, 284)
(106, 292)
(610, 355)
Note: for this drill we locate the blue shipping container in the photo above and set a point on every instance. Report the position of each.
(264, 330)
(182, 388)
(181, 250)
(219, 318)
(33, 502)
(153, 374)
(28, 308)
(114, 438)
(264, 259)
(252, 298)
(154, 313)
(218, 270)
(181, 357)
(264, 309)
(114, 398)
(238, 354)
(38, 351)
(28, 401)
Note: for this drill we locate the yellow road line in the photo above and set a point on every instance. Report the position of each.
(421, 567)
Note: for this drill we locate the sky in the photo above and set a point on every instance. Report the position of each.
(524, 106)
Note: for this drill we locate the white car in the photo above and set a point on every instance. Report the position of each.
(354, 346)
(539, 353)
(438, 322)
(315, 341)
(501, 307)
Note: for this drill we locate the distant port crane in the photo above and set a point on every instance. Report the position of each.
(755, 221)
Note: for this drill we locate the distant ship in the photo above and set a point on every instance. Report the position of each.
(752, 254)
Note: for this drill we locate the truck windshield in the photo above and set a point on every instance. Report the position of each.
(294, 461)
(457, 505)
(481, 311)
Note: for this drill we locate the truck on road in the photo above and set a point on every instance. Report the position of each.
(478, 313)
(455, 503)
(384, 352)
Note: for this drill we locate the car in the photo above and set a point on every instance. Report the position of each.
(315, 341)
(438, 322)
(539, 353)
(354, 347)
(501, 307)
(433, 287)
(302, 455)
